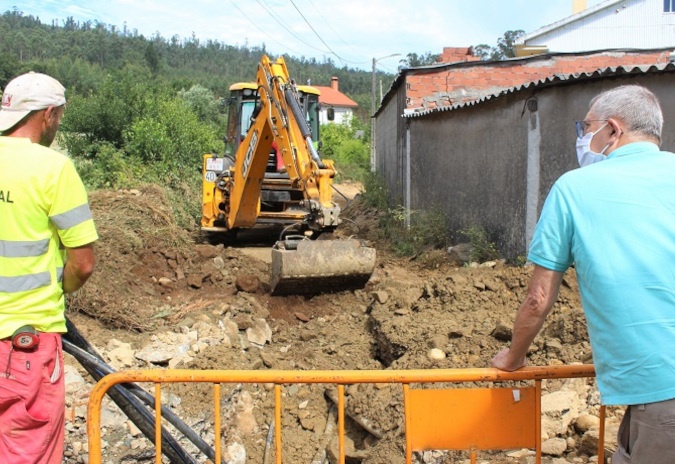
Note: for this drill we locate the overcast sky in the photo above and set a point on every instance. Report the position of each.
(350, 32)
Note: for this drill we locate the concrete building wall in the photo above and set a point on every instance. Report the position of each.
(341, 115)
(390, 145)
(492, 164)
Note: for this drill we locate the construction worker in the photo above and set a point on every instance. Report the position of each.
(46, 250)
(615, 221)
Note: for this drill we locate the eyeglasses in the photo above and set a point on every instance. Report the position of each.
(582, 126)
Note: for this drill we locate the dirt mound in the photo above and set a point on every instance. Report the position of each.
(149, 271)
(153, 277)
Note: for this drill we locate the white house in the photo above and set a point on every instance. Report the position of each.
(335, 106)
(612, 24)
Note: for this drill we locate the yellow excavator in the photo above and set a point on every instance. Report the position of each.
(277, 176)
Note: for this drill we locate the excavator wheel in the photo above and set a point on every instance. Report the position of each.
(301, 266)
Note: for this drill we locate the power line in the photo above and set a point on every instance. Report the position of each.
(317, 34)
(287, 27)
(328, 23)
(260, 29)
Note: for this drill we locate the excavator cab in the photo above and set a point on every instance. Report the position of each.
(272, 174)
(280, 196)
(244, 105)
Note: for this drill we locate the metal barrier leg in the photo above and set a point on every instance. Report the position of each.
(341, 422)
(407, 412)
(216, 405)
(158, 422)
(537, 420)
(277, 419)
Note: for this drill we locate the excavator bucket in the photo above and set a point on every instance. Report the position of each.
(317, 266)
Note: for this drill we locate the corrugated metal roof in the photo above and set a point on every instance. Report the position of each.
(550, 81)
(568, 20)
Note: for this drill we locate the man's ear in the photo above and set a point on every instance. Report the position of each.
(616, 128)
(50, 113)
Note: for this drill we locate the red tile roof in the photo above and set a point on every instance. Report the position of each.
(332, 97)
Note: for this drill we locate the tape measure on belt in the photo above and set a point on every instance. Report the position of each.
(25, 338)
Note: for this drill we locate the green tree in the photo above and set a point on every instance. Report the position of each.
(203, 103)
(505, 48)
(413, 60)
(105, 115)
(348, 145)
(152, 59)
(8, 68)
(172, 136)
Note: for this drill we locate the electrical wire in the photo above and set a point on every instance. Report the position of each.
(289, 29)
(317, 34)
(328, 23)
(262, 30)
(286, 27)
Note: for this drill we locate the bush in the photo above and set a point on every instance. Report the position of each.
(112, 168)
(171, 136)
(375, 193)
(481, 248)
(203, 103)
(344, 144)
(427, 231)
(103, 116)
(133, 131)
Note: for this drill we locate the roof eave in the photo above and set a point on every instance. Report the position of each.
(552, 80)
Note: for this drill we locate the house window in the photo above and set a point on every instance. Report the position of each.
(669, 6)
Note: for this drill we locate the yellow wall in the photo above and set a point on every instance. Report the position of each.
(578, 5)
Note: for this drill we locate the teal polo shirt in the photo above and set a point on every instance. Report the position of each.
(615, 220)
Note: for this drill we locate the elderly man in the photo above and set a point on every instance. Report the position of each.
(615, 221)
(46, 250)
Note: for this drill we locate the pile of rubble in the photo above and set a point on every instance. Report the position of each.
(569, 408)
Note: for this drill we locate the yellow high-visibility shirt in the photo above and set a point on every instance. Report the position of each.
(43, 208)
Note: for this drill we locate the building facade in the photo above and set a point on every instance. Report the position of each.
(612, 24)
(490, 163)
(334, 106)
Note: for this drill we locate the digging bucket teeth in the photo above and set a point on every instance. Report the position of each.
(320, 266)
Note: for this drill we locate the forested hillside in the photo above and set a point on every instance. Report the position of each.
(80, 54)
(145, 109)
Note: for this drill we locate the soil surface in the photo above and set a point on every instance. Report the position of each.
(154, 278)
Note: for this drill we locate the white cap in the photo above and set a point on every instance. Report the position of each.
(29, 92)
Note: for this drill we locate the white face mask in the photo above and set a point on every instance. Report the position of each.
(585, 155)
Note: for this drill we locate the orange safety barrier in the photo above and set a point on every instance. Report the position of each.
(469, 419)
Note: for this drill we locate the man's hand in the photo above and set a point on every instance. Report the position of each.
(503, 361)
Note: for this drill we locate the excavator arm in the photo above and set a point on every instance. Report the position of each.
(233, 193)
(280, 118)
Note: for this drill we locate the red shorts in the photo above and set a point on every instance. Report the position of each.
(32, 403)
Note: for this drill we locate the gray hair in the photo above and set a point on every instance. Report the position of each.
(634, 105)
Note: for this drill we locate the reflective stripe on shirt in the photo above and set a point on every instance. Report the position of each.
(71, 218)
(25, 282)
(22, 249)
